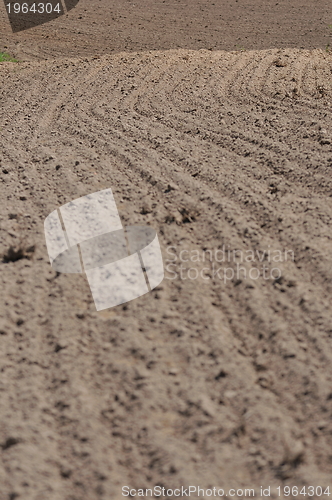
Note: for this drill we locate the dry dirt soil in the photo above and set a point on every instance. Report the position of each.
(201, 382)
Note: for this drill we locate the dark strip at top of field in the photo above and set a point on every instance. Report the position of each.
(106, 26)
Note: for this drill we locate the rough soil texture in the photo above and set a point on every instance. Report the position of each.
(200, 382)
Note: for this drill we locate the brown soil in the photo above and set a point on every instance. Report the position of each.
(200, 382)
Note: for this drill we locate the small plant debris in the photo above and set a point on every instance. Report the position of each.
(6, 57)
(17, 253)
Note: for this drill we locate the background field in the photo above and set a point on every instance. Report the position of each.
(105, 26)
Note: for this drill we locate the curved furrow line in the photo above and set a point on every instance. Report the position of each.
(162, 132)
(120, 140)
(48, 116)
(278, 151)
(290, 88)
(270, 98)
(110, 124)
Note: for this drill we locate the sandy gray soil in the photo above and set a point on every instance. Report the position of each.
(200, 382)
